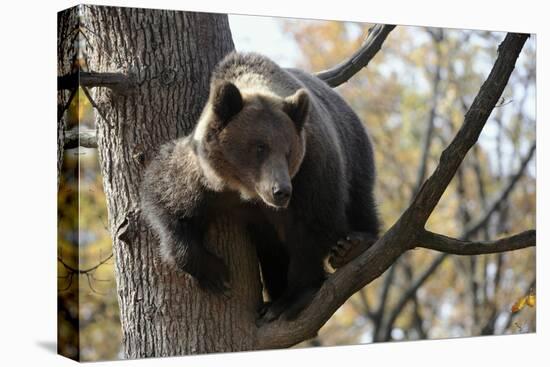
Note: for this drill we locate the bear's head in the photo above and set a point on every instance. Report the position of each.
(252, 143)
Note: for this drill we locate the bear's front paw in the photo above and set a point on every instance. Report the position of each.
(349, 248)
(287, 307)
(270, 311)
(262, 309)
(212, 275)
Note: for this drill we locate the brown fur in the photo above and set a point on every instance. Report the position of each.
(230, 146)
(283, 149)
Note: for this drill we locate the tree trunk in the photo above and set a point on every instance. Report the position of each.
(170, 56)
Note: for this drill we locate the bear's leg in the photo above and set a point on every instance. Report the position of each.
(363, 220)
(273, 259)
(185, 246)
(350, 247)
(362, 214)
(305, 276)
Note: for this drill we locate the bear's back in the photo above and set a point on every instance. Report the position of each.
(332, 123)
(255, 73)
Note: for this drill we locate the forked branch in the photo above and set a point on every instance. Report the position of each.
(409, 230)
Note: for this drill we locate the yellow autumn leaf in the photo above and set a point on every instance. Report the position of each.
(520, 303)
(531, 300)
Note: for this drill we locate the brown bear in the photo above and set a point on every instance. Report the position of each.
(287, 149)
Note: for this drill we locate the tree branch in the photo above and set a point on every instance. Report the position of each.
(442, 243)
(482, 221)
(84, 271)
(80, 138)
(342, 72)
(474, 121)
(403, 235)
(115, 81)
(470, 230)
(428, 134)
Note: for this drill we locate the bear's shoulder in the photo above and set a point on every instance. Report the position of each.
(236, 65)
(174, 178)
(256, 74)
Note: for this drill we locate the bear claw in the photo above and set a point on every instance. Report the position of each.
(349, 248)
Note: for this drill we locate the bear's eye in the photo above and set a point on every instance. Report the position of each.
(261, 149)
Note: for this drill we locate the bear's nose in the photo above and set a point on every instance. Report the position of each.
(281, 193)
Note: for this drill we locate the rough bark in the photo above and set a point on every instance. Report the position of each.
(171, 56)
(67, 23)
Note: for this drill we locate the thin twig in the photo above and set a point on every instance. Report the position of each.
(83, 271)
(342, 72)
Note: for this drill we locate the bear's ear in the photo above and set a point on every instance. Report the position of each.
(226, 100)
(297, 107)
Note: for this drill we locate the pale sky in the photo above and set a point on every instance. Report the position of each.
(264, 35)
